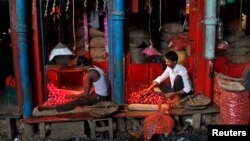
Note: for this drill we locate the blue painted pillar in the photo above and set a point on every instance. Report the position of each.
(22, 35)
(210, 23)
(117, 49)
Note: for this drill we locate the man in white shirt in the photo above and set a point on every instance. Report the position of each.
(94, 76)
(180, 84)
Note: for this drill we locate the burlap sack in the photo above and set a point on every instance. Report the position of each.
(97, 42)
(97, 52)
(172, 28)
(95, 33)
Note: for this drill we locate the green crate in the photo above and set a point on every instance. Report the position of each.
(11, 95)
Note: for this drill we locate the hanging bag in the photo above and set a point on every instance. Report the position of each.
(159, 122)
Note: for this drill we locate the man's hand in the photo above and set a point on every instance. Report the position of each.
(150, 88)
(146, 91)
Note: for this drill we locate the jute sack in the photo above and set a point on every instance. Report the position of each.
(97, 42)
(239, 59)
(137, 56)
(244, 41)
(173, 28)
(95, 33)
(97, 52)
(233, 36)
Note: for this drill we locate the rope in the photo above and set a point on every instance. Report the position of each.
(160, 16)
(67, 6)
(46, 8)
(74, 34)
(85, 26)
(149, 22)
(96, 7)
(104, 5)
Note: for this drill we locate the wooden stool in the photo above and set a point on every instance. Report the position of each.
(93, 127)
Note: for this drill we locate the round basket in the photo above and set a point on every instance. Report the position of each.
(195, 102)
(199, 100)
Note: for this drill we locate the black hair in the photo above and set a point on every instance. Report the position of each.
(172, 55)
(82, 60)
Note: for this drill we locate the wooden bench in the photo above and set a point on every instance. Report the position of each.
(176, 112)
(75, 117)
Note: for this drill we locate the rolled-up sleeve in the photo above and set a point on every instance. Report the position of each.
(187, 84)
(162, 77)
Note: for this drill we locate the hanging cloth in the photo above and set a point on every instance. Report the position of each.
(94, 19)
(105, 22)
(86, 30)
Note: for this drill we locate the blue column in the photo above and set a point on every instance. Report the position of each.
(22, 35)
(117, 50)
(210, 23)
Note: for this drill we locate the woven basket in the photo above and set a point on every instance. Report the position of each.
(195, 102)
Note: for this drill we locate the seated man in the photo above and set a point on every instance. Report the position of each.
(94, 76)
(180, 84)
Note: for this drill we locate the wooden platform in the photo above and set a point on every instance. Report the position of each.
(213, 108)
(176, 112)
(58, 118)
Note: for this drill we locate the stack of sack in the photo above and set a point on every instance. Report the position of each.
(97, 45)
(174, 38)
(168, 31)
(138, 40)
(79, 32)
(239, 50)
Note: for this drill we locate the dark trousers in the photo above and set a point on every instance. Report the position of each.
(80, 102)
(178, 85)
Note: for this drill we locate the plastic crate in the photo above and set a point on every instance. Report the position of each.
(11, 95)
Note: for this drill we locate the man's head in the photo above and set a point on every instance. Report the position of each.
(83, 61)
(171, 59)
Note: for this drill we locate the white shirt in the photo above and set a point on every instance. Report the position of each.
(172, 73)
(101, 85)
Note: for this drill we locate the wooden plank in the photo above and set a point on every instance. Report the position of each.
(9, 128)
(126, 113)
(172, 111)
(42, 130)
(111, 133)
(58, 118)
(196, 122)
(10, 115)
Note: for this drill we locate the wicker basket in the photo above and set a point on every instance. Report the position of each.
(195, 102)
